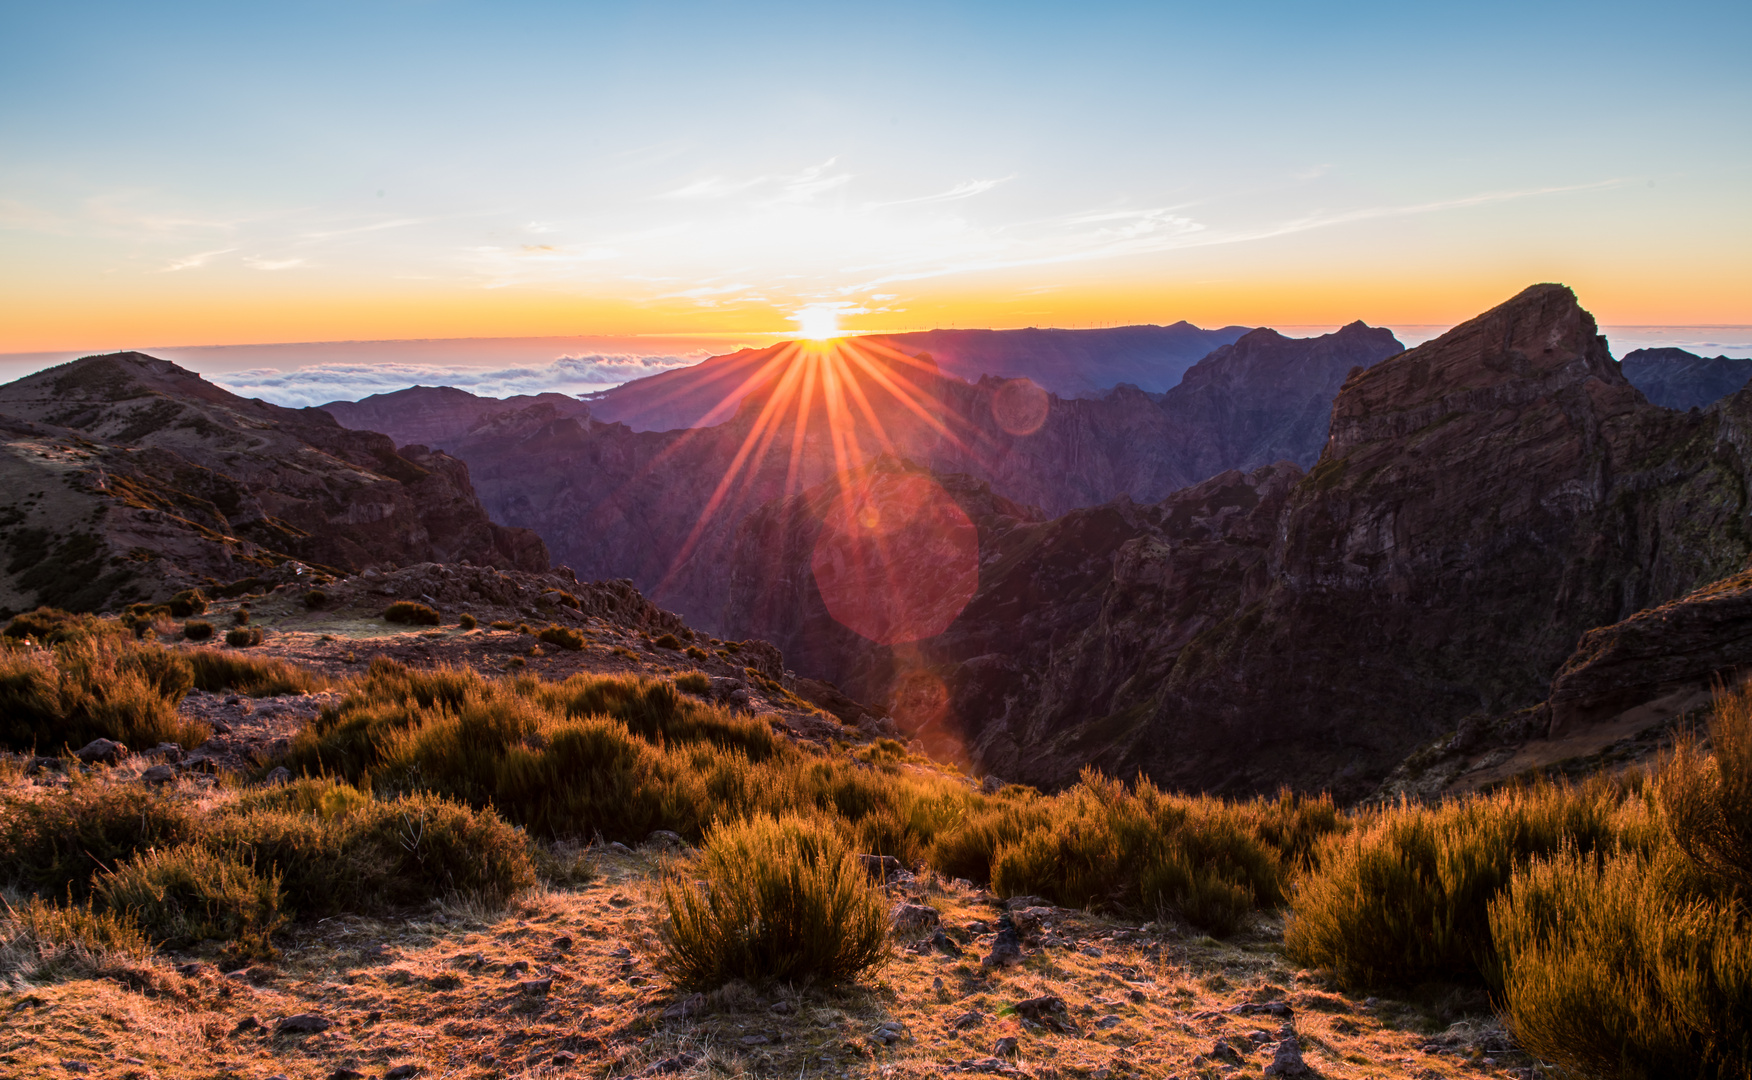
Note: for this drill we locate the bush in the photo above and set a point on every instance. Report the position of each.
(186, 603)
(52, 626)
(1140, 848)
(410, 613)
(315, 599)
(191, 893)
(693, 682)
(466, 621)
(697, 653)
(1707, 797)
(40, 941)
(501, 624)
(668, 641)
(1404, 897)
(214, 671)
(58, 842)
(563, 636)
(783, 900)
(1620, 968)
(197, 630)
(240, 617)
(94, 687)
(242, 637)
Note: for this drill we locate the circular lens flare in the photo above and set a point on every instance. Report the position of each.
(897, 560)
(1020, 407)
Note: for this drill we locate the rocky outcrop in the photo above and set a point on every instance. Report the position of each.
(1482, 501)
(128, 478)
(1683, 380)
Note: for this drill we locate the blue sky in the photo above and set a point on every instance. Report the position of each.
(212, 173)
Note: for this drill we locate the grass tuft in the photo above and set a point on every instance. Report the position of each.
(781, 900)
(410, 613)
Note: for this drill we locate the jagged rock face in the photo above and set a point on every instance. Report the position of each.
(610, 500)
(1683, 380)
(1482, 500)
(131, 477)
(439, 416)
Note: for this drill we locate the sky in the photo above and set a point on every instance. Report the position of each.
(215, 174)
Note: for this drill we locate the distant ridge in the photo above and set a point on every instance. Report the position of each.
(1069, 363)
(1684, 380)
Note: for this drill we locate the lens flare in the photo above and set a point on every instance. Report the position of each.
(1020, 407)
(897, 560)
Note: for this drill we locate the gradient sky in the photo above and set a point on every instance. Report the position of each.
(200, 174)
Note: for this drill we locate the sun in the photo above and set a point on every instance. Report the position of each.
(818, 323)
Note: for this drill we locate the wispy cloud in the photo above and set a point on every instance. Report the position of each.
(965, 190)
(255, 263)
(190, 262)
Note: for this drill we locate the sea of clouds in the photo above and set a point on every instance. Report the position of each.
(319, 384)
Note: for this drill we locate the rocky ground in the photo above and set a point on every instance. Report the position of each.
(565, 983)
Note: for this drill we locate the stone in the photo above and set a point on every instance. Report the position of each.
(1263, 1008)
(967, 1020)
(344, 1073)
(248, 1023)
(1007, 949)
(280, 776)
(1109, 1021)
(881, 867)
(691, 1005)
(913, 918)
(403, 1072)
(304, 1024)
(565, 1058)
(1286, 1060)
(1005, 1047)
(666, 839)
(158, 774)
(101, 752)
(1047, 1010)
(944, 943)
(536, 987)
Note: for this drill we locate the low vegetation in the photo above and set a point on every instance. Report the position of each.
(563, 636)
(410, 613)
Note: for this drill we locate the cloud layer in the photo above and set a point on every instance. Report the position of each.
(319, 384)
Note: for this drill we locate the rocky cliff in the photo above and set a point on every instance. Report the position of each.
(1683, 380)
(127, 478)
(1482, 501)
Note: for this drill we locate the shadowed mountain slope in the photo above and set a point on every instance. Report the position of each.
(1482, 501)
(438, 416)
(127, 478)
(655, 507)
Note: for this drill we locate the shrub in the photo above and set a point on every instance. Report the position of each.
(242, 637)
(1404, 897)
(1141, 848)
(466, 621)
(94, 687)
(240, 617)
(560, 596)
(693, 682)
(668, 641)
(697, 653)
(188, 602)
(57, 842)
(783, 900)
(197, 630)
(563, 636)
(52, 626)
(410, 613)
(501, 624)
(1707, 797)
(214, 671)
(191, 893)
(40, 941)
(315, 598)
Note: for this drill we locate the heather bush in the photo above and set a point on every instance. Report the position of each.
(93, 687)
(467, 621)
(411, 613)
(58, 843)
(186, 603)
(192, 893)
(243, 637)
(563, 636)
(52, 626)
(41, 941)
(693, 682)
(197, 630)
(668, 641)
(1404, 896)
(213, 670)
(315, 599)
(783, 900)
